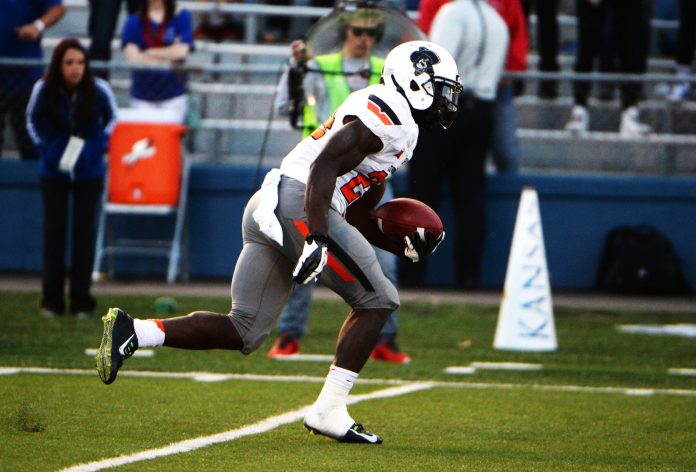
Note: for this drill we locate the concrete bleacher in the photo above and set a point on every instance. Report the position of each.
(233, 87)
(233, 83)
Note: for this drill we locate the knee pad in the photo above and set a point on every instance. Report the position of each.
(391, 296)
(249, 331)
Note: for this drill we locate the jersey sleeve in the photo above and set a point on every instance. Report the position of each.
(389, 119)
(132, 33)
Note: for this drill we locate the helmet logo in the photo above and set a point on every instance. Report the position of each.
(423, 61)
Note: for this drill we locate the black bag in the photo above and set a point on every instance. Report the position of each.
(640, 260)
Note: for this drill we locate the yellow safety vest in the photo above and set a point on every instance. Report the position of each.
(336, 86)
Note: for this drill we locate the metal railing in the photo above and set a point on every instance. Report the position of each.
(254, 12)
(236, 82)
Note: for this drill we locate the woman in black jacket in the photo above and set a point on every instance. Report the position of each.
(69, 117)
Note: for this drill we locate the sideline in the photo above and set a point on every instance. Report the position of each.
(221, 288)
(262, 426)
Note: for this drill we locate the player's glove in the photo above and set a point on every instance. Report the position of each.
(312, 260)
(420, 244)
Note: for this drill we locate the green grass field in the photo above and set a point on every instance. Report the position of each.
(604, 401)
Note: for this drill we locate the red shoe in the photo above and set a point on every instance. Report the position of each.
(284, 346)
(389, 352)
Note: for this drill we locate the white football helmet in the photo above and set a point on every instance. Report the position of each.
(427, 76)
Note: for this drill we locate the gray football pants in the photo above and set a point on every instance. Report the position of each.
(262, 280)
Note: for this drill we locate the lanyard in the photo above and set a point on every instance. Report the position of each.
(152, 39)
(72, 107)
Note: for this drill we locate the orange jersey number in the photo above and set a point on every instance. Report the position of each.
(358, 185)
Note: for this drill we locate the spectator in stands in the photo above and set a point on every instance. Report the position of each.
(505, 145)
(219, 26)
(103, 16)
(608, 55)
(477, 37)
(21, 27)
(427, 9)
(276, 26)
(666, 39)
(331, 79)
(628, 27)
(158, 34)
(70, 116)
(546, 41)
(686, 42)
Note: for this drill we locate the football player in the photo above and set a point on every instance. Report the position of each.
(311, 219)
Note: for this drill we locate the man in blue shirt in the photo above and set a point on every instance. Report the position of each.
(21, 27)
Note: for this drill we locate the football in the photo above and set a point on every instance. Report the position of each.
(402, 216)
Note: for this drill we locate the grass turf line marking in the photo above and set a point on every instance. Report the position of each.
(679, 329)
(138, 353)
(305, 358)
(505, 366)
(11, 370)
(262, 426)
(460, 370)
(474, 366)
(197, 376)
(681, 371)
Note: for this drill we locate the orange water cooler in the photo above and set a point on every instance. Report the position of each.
(148, 177)
(145, 163)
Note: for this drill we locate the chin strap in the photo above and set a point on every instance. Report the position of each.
(399, 88)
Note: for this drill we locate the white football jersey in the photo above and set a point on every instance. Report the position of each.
(387, 114)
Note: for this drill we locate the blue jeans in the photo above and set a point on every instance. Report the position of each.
(504, 145)
(293, 320)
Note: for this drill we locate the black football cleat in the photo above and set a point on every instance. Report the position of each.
(119, 342)
(356, 434)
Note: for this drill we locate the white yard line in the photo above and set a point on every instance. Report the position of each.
(402, 388)
(305, 358)
(197, 376)
(505, 366)
(476, 366)
(213, 376)
(681, 371)
(138, 353)
(257, 428)
(570, 388)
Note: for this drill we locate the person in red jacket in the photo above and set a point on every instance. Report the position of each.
(427, 9)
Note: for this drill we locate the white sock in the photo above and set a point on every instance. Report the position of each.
(337, 387)
(329, 414)
(150, 333)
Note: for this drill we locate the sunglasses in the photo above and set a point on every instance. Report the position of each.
(359, 31)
